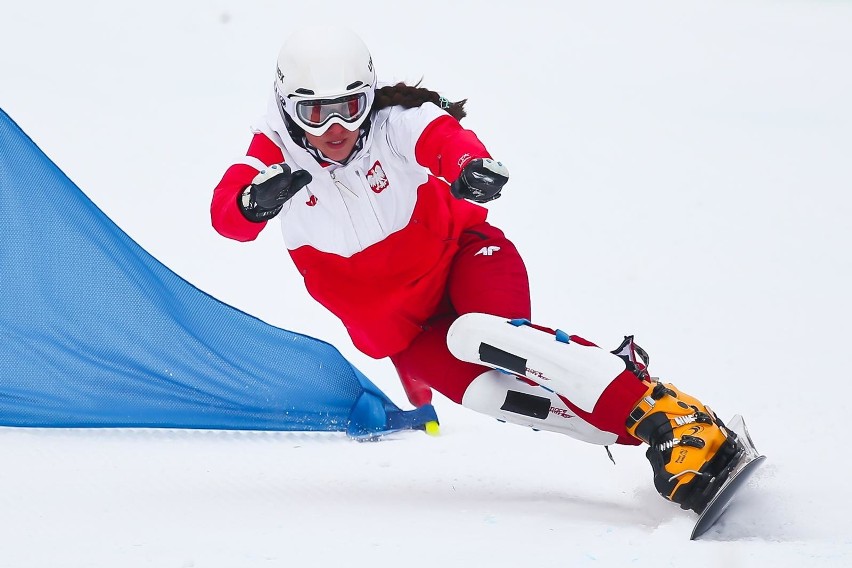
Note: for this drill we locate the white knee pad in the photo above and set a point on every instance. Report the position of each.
(508, 398)
(577, 372)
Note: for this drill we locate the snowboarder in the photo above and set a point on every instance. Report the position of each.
(378, 193)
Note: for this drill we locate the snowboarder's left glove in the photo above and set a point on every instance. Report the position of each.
(481, 181)
(269, 190)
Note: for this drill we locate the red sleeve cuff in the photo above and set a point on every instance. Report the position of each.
(446, 148)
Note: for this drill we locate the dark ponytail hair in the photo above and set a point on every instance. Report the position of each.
(409, 96)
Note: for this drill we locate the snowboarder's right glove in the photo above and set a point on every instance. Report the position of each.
(269, 190)
(481, 180)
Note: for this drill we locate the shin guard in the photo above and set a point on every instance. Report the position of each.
(578, 372)
(597, 386)
(511, 399)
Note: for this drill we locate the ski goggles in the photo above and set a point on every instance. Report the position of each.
(316, 113)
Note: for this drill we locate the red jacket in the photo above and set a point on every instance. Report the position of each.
(373, 239)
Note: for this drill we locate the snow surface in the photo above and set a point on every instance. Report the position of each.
(680, 171)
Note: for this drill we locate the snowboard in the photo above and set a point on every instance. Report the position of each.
(748, 462)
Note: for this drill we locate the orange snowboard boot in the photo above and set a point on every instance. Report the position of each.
(689, 445)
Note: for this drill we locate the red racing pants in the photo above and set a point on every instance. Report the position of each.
(487, 276)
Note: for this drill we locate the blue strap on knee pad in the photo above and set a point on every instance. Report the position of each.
(561, 336)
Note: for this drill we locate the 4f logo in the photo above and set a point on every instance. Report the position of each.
(487, 251)
(377, 178)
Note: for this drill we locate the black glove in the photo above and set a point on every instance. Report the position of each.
(481, 180)
(269, 190)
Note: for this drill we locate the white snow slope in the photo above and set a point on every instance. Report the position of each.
(680, 171)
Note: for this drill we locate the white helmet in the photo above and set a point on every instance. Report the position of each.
(325, 76)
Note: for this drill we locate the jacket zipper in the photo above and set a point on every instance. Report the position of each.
(367, 190)
(341, 185)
